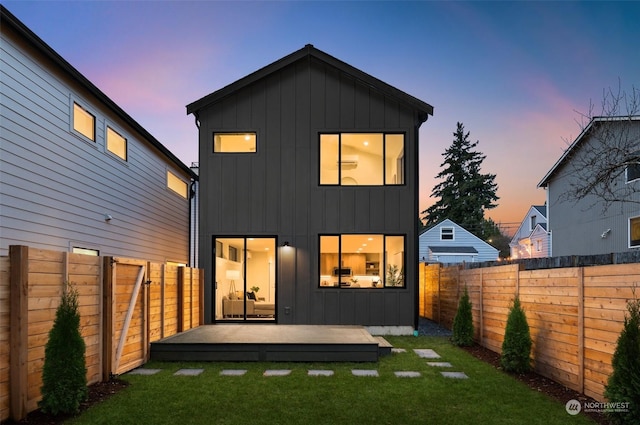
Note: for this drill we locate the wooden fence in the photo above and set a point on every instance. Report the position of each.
(124, 305)
(575, 314)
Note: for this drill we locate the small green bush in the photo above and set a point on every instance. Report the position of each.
(623, 385)
(463, 322)
(516, 347)
(64, 375)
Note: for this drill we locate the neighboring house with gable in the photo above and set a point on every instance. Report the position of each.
(77, 173)
(308, 193)
(450, 243)
(585, 228)
(532, 240)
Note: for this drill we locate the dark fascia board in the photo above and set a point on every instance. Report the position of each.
(565, 155)
(7, 18)
(423, 108)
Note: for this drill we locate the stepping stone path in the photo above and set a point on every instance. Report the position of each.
(425, 353)
(143, 371)
(189, 372)
(233, 372)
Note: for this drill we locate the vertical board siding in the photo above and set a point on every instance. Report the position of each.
(575, 314)
(155, 314)
(276, 190)
(57, 187)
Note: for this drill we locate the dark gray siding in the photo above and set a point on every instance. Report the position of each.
(56, 187)
(275, 192)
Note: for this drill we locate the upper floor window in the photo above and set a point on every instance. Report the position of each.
(116, 144)
(633, 172)
(84, 122)
(634, 231)
(176, 184)
(446, 233)
(362, 159)
(533, 221)
(234, 142)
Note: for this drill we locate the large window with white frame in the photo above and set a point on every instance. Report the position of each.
(364, 261)
(634, 232)
(362, 159)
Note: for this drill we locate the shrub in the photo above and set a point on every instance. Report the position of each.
(64, 375)
(463, 322)
(516, 347)
(623, 385)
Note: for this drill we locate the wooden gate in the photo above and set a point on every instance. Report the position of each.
(125, 316)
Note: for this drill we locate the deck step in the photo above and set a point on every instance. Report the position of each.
(384, 346)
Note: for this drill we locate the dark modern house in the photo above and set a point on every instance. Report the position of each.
(308, 187)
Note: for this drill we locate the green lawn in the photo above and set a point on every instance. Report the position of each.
(487, 397)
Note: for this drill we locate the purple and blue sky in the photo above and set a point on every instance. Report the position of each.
(514, 73)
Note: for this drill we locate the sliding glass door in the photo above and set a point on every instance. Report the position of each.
(245, 272)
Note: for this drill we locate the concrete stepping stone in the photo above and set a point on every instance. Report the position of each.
(233, 372)
(426, 353)
(320, 372)
(277, 372)
(143, 371)
(189, 372)
(364, 372)
(407, 374)
(398, 350)
(455, 375)
(439, 364)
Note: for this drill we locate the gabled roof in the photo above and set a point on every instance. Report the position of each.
(9, 20)
(306, 52)
(565, 155)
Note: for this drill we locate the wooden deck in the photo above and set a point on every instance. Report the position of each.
(271, 342)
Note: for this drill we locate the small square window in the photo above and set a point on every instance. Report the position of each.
(234, 142)
(176, 184)
(634, 232)
(633, 172)
(116, 144)
(84, 122)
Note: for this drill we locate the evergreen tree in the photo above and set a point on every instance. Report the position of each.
(624, 383)
(516, 347)
(464, 192)
(64, 375)
(463, 322)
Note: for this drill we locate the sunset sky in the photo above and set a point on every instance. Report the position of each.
(515, 73)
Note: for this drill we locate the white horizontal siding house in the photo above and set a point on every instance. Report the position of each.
(449, 243)
(77, 173)
(532, 240)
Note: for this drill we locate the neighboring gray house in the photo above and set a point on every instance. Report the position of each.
(76, 172)
(309, 193)
(584, 228)
(532, 240)
(449, 243)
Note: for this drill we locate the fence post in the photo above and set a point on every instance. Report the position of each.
(481, 318)
(107, 318)
(201, 297)
(19, 300)
(581, 329)
(180, 299)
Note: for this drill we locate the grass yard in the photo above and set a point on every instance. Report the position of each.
(487, 397)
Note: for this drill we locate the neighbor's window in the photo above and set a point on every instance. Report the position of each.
(176, 184)
(634, 231)
(361, 261)
(446, 233)
(85, 251)
(234, 142)
(633, 172)
(116, 144)
(84, 122)
(533, 221)
(361, 159)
